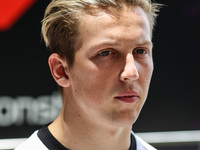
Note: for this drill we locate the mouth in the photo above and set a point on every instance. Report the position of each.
(128, 97)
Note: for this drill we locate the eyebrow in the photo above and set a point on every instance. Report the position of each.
(146, 43)
(117, 43)
(105, 43)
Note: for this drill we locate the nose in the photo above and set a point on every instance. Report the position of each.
(130, 72)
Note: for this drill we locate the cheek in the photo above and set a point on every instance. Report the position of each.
(89, 82)
(148, 66)
(145, 73)
(149, 69)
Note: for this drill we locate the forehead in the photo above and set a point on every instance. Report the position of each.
(126, 23)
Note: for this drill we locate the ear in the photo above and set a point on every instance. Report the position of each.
(58, 67)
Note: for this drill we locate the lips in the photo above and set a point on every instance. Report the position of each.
(128, 97)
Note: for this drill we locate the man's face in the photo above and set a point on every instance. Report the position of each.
(110, 77)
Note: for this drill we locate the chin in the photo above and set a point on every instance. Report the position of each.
(124, 119)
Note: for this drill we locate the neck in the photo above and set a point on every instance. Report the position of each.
(75, 131)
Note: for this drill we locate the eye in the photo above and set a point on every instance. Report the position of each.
(106, 53)
(140, 51)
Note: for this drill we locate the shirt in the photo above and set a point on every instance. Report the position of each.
(43, 140)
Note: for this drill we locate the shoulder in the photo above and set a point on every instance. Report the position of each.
(32, 143)
(141, 144)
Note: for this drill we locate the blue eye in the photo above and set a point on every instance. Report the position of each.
(140, 51)
(105, 53)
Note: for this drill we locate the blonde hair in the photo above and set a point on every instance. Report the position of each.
(61, 21)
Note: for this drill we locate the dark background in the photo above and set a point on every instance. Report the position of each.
(173, 101)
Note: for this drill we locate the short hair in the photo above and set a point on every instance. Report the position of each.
(60, 26)
(61, 21)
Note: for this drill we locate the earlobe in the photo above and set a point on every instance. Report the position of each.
(58, 68)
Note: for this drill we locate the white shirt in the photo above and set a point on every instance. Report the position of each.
(34, 143)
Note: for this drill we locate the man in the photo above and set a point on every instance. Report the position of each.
(102, 61)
